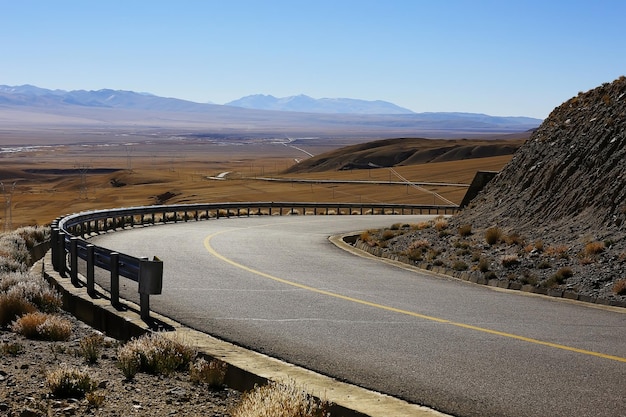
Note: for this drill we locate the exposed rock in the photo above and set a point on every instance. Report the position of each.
(559, 206)
(568, 178)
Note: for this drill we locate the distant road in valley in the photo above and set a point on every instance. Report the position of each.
(308, 181)
(279, 286)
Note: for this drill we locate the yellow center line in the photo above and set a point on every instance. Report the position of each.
(212, 251)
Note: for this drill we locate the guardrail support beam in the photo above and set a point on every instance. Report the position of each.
(114, 267)
(74, 261)
(91, 261)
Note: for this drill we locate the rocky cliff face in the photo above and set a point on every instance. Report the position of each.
(553, 220)
(569, 178)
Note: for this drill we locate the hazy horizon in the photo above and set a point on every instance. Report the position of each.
(495, 58)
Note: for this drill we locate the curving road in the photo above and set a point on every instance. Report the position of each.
(279, 286)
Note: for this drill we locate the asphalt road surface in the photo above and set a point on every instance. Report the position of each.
(279, 286)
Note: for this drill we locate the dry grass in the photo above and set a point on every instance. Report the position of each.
(440, 223)
(211, 373)
(557, 251)
(365, 236)
(154, 354)
(32, 289)
(388, 234)
(43, 326)
(90, 347)
(69, 382)
(465, 230)
(493, 235)
(514, 238)
(161, 168)
(594, 248)
(619, 287)
(421, 226)
(509, 261)
(13, 306)
(483, 265)
(12, 349)
(279, 400)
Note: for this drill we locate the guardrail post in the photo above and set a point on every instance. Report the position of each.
(74, 260)
(91, 290)
(150, 282)
(54, 245)
(144, 306)
(61, 256)
(114, 267)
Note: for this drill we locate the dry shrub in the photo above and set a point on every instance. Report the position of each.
(33, 235)
(279, 400)
(43, 326)
(493, 235)
(565, 272)
(483, 265)
(586, 260)
(421, 226)
(416, 249)
(465, 230)
(440, 223)
(95, 399)
(544, 265)
(8, 264)
(90, 347)
(514, 238)
(12, 349)
(459, 266)
(210, 373)
(559, 277)
(33, 289)
(388, 234)
(594, 248)
(17, 249)
(619, 287)
(558, 251)
(69, 382)
(13, 306)
(419, 244)
(365, 236)
(509, 261)
(154, 354)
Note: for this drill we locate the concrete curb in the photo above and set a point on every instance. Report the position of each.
(349, 242)
(245, 368)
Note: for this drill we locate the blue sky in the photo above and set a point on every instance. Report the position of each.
(504, 58)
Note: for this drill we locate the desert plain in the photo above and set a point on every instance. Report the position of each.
(45, 174)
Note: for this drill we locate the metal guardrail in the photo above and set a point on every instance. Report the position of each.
(70, 233)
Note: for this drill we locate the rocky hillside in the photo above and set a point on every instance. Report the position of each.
(569, 178)
(554, 218)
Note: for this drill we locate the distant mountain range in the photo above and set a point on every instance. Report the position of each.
(302, 103)
(298, 115)
(29, 95)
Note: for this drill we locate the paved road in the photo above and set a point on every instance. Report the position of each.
(277, 285)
